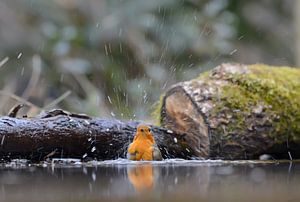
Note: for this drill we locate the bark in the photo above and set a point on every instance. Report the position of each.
(65, 135)
(237, 112)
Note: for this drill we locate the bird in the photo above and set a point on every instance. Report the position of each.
(143, 146)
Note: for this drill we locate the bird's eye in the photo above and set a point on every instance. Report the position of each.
(142, 130)
(149, 129)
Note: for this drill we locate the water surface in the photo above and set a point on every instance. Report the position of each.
(171, 180)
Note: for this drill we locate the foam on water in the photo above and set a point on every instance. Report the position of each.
(183, 162)
(71, 162)
(121, 161)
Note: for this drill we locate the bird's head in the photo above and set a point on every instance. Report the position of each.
(144, 131)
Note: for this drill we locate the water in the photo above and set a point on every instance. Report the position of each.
(171, 180)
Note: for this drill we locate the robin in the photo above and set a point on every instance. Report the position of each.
(143, 146)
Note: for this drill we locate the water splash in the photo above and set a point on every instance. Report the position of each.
(72, 162)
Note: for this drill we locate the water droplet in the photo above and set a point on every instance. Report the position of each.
(165, 85)
(5, 60)
(19, 55)
(109, 100)
(94, 177)
(169, 131)
(120, 32)
(106, 51)
(2, 140)
(241, 37)
(84, 170)
(22, 71)
(175, 139)
(232, 52)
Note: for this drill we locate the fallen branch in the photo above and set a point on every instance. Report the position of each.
(61, 134)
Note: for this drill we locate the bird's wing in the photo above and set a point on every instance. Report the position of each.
(156, 153)
(132, 148)
(131, 153)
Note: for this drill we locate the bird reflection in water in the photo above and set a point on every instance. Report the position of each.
(141, 177)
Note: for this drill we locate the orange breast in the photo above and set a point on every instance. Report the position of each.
(142, 147)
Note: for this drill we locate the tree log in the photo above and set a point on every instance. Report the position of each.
(60, 134)
(237, 112)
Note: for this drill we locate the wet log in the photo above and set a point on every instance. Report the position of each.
(237, 112)
(61, 134)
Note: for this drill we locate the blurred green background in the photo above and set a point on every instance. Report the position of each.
(115, 58)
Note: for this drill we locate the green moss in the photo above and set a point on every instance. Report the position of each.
(156, 112)
(276, 87)
(204, 75)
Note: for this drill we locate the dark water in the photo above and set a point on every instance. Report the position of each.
(165, 181)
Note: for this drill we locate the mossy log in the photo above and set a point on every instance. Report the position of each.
(237, 112)
(60, 134)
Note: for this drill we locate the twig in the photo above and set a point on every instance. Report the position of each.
(57, 100)
(14, 111)
(19, 99)
(36, 72)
